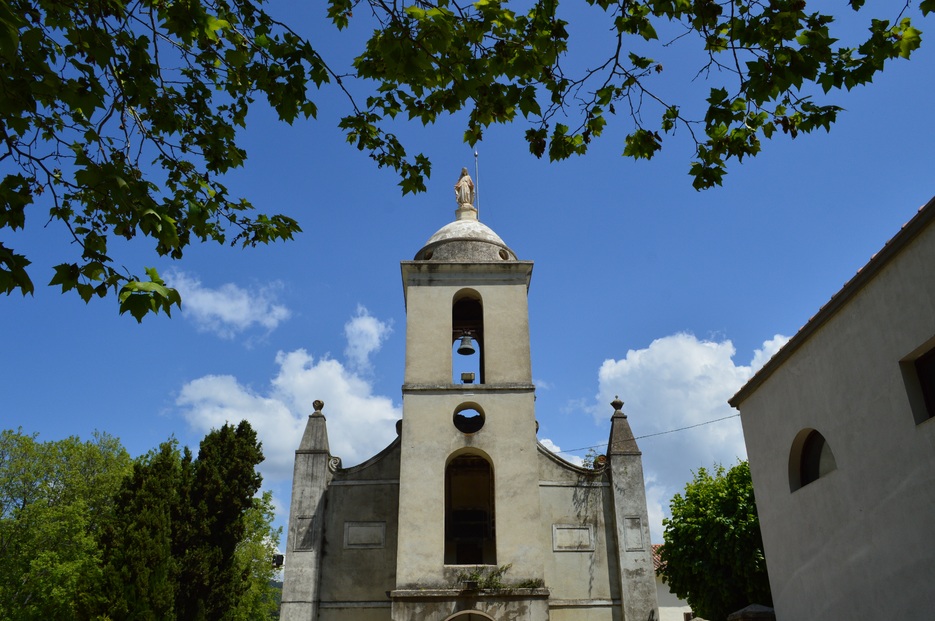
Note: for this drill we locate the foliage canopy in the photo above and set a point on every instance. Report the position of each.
(85, 533)
(712, 553)
(121, 118)
(55, 499)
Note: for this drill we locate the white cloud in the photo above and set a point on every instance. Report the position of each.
(228, 310)
(360, 423)
(657, 504)
(769, 349)
(552, 446)
(365, 335)
(676, 382)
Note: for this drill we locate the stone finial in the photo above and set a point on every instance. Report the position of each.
(622, 441)
(315, 437)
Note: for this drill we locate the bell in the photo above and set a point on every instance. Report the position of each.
(466, 348)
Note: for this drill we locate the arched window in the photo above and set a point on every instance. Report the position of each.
(467, 337)
(470, 537)
(919, 375)
(810, 459)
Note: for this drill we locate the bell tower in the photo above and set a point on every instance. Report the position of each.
(468, 441)
(465, 516)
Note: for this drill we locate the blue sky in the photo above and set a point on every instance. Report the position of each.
(642, 286)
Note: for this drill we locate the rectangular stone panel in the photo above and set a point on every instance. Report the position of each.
(364, 535)
(633, 533)
(572, 538)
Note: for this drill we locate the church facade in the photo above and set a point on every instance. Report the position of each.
(466, 516)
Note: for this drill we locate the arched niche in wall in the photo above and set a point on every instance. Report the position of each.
(470, 528)
(809, 459)
(467, 332)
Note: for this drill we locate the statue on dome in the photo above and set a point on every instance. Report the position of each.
(464, 189)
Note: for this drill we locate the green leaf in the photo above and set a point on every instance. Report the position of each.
(642, 144)
(66, 276)
(10, 24)
(141, 298)
(909, 39)
(640, 62)
(13, 273)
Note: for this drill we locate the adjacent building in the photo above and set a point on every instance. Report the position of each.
(671, 608)
(841, 441)
(465, 516)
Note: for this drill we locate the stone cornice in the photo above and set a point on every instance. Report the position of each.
(468, 389)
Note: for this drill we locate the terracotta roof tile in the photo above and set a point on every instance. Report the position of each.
(657, 561)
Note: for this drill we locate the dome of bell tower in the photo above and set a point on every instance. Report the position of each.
(467, 240)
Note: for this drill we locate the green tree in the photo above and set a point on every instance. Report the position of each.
(87, 533)
(222, 491)
(253, 557)
(121, 118)
(189, 535)
(55, 499)
(140, 569)
(712, 552)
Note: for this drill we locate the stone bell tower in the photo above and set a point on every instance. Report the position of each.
(468, 439)
(465, 516)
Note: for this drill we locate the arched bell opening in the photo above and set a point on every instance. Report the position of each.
(467, 338)
(470, 530)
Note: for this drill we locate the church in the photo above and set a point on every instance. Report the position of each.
(465, 516)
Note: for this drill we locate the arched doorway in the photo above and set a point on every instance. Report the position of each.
(470, 615)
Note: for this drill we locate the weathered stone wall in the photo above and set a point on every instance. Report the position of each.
(360, 540)
(580, 560)
(501, 605)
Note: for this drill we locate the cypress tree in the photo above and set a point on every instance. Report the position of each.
(223, 484)
(170, 548)
(141, 571)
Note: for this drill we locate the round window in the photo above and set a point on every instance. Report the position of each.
(469, 420)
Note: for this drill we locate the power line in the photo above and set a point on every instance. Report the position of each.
(658, 433)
